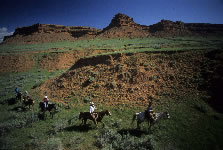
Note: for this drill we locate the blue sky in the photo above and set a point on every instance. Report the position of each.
(98, 13)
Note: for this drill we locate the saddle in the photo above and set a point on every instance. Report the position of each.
(150, 115)
(95, 115)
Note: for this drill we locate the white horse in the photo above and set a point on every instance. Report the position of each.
(140, 117)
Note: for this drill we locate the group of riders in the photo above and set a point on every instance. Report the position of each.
(149, 114)
(26, 97)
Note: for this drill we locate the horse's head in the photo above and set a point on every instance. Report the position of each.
(107, 113)
(41, 105)
(81, 115)
(167, 115)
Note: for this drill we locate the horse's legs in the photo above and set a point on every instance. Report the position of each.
(149, 124)
(95, 122)
(44, 115)
(82, 121)
(103, 124)
(85, 121)
(138, 127)
(133, 119)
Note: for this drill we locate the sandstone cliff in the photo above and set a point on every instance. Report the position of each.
(121, 26)
(49, 33)
(124, 26)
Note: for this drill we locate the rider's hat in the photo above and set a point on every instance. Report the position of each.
(91, 103)
(45, 96)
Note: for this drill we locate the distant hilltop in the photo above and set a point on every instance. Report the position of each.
(120, 26)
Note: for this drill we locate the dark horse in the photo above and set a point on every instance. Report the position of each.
(98, 117)
(28, 101)
(51, 108)
(140, 117)
(18, 96)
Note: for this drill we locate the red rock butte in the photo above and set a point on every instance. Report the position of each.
(121, 26)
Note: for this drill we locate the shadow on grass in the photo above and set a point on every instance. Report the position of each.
(132, 132)
(18, 109)
(11, 101)
(79, 128)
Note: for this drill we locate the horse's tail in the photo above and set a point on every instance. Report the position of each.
(133, 119)
(69, 121)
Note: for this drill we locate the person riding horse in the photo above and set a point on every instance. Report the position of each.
(17, 92)
(149, 112)
(45, 101)
(26, 96)
(91, 110)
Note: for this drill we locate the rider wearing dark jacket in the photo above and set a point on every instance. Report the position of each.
(149, 112)
(17, 90)
(45, 101)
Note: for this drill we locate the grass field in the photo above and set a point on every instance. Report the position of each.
(193, 123)
(116, 44)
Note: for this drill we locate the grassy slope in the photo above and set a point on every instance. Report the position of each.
(193, 124)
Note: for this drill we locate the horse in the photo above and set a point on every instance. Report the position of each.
(140, 117)
(98, 117)
(28, 101)
(51, 108)
(18, 96)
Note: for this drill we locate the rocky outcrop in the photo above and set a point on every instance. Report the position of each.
(167, 28)
(121, 26)
(49, 33)
(76, 31)
(124, 26)
(179, 28)
(122, 20)
(205, 28)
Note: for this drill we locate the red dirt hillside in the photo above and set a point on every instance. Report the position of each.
(130, 78)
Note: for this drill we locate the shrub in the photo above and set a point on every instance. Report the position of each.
(18, 121)
(201, 107)
(38, 84)
(59, 126)
(51, 143)
(87, 99)
(111, 139)
(74, 142)
(4, 144)
(91, 79)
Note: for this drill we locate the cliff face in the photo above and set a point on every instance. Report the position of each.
(170, 28)
(78, 31)
(167, 27)
(49, 33)
(124, 26)
(121, 26)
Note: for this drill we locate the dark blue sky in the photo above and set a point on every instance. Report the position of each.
(98, 13)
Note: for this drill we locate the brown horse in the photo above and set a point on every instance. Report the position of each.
(98, 117)
(28, 101)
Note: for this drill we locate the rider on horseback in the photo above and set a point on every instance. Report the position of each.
(91, 110)
(17, 91)
(45, 101)
(149, 112)
(26, 96)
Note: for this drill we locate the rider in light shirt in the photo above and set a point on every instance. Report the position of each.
(92, 109)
